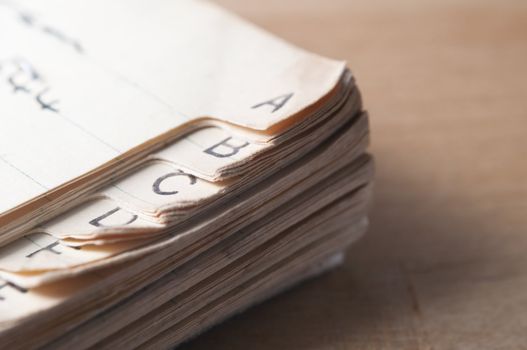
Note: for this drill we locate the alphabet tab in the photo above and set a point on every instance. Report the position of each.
(212, 151)
(225, 148)
(156, 187)
(161, 185)
(277, 103)
(95, 218)
(49, 248)
(97, 222)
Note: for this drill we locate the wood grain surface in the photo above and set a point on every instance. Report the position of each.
(444, 265)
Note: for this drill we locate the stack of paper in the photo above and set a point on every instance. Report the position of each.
(163, 166)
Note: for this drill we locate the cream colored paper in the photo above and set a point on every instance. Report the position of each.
(95, 217)
(17, 302)
(40, 252)
(120, 216)
(160, 184)
(75, 96)
(205, 151)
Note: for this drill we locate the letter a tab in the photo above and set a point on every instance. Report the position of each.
(276, 103)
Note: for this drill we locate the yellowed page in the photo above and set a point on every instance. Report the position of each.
(40, 252)
(85, 82)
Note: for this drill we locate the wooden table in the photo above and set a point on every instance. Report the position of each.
(444, 265)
